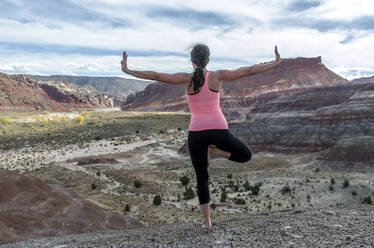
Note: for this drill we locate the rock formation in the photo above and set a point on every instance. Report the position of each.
(297, 106)
(30, 208)
(115, 86)
(18, 93)
(290, 75)
(364, 80)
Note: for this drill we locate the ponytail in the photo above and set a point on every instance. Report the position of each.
(200, 57)
(197, 79)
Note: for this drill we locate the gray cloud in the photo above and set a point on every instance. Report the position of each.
(190, 17)
(62, 10)
(361, 23)
(297, 5)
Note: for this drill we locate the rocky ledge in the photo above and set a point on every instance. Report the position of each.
(308, 227)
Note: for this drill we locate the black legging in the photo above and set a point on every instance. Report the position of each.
(198, 142)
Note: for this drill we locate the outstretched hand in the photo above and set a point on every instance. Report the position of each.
(277, 56)
(124, 62)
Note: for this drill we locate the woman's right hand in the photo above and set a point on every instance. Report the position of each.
(124, 62)
(277, 56)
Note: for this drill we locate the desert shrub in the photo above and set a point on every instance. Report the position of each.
(332, 181)
(93, 186)
(354, 192)
(308, 197)
(157, 200)
(189, 193)
(98, 173)
(256, 188)
(367, 200)
(137, 184)
(213, 206)
(184, 180)
(4, 121)
(331, 188)
(345, 183)
(286, 190)
(229, 176)
(80, 119)
(239, 201)
(247, 186)
(231, 184)
(236, 188)
(45, 122)
(223, 196)
(127, 208)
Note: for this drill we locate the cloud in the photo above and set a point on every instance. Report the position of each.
(50, 11)
(192, 18)
(324, 25)
(87, 37)
(347, 39)
(298, 5)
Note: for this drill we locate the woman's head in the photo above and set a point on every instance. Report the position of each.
(200, 55)
(200, 58)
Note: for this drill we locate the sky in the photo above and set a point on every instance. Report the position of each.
(86, 37)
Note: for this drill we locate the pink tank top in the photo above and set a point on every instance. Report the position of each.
(205, 110)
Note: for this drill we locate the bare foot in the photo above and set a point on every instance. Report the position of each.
(207, 225)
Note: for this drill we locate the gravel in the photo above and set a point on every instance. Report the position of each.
(340, 226)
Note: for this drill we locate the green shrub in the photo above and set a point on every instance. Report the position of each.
(98, 173)
(332, 181)
(256, 188)
(223, 196)
(213, 206)
(93, 186)
(137, 184)
(236, 188)
(247, 186)
(229, 176)
(354, 192)
(345, 183)
(231, 184)
(367, 200)
(286, 190)
(239, 201)
(184, 180)
(127, 208)
(157, 200)
(189, 193)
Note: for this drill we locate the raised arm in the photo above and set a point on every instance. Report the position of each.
(230, 75)
(174, 78)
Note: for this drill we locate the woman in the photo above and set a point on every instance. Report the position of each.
(208, 129)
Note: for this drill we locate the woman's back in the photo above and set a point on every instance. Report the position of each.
(205, 108)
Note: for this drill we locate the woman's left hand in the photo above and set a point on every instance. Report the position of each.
(124, 62)
(277, 56)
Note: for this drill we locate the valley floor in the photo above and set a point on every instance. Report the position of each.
(302, 201)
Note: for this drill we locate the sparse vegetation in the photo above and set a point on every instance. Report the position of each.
(184, 180)
(189, 193)
(137, 184)
(157, 200)
(223, 196)
(93, 186)
(127, 208)
(367, 200)
(213, 206)
(346, 183)
(286, 190)
(239, 201)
